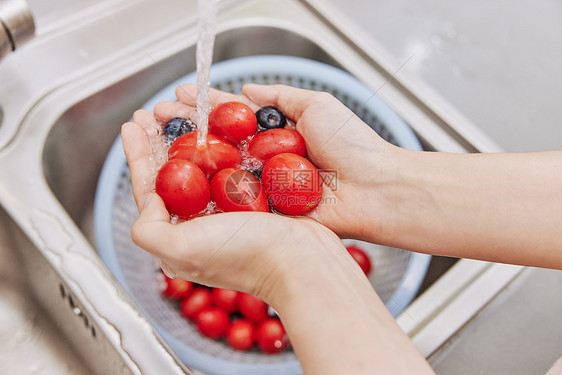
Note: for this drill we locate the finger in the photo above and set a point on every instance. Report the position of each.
(194, 246)
(187, 94)
(137, 150)
(321, 119)
(157, 147)
(291, 100)
(147, 121)
(152, 231)
(166, 111)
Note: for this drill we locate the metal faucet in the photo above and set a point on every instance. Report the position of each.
(16, 25)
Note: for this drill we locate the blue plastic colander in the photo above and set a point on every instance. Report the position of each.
(398, 273)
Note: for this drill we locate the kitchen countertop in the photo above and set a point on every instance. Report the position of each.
(499, 62)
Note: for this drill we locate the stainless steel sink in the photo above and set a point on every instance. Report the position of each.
(60, 121)
(25, 325)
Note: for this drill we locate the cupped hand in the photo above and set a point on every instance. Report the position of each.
(297, 265)
(353, 159)
(248, 251)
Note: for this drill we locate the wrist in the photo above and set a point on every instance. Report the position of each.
(376, 194)
(326, 298)
(314, 252)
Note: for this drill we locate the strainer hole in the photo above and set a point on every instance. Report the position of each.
(229, 85)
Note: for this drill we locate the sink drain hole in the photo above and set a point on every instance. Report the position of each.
(77, 310)
(62, 291)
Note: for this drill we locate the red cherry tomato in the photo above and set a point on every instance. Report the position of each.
(212, 322)
(252, 307)
(361, 258)
(176, 288)
(199, 299)
(292, 184)
(183, 187)
(225, 299)
(271, 337)
(241, 334)
(216, 155)
(233, 121)
(269, 143)
(238, 190)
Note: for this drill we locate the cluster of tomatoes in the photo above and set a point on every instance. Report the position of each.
(244, 320)
(249, 162)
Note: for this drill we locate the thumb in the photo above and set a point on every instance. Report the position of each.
(152, 230)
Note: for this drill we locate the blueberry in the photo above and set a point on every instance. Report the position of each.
(271, 312)
(177, 127)
(270, 118)
(235, 316)
(256, 173)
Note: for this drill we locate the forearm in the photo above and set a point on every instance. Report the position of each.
(498, 207)
(338, 325)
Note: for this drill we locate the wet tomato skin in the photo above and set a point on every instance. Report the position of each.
(269, 143)
(271, 336)
(233, 121)
(292, 184)
(235, 189)
(176, 288)
(183, 187)
(361, 258)
(252, 307)
(241, 334)
(199, 299)
(225, 298)
(212, 322)
(217, 154)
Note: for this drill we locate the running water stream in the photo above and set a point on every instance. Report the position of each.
(205, 45)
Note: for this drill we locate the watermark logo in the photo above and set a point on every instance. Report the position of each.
(241, 189)
(285, 187)
(329, 178)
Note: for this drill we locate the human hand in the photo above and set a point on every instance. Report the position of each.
(247, 251)
(295, 264)
(341, 146)
(338, 143)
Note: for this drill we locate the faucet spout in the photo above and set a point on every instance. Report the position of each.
(17, 25)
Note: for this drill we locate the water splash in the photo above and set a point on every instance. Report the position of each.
(205, 46)
(249, 162)
(158, 151)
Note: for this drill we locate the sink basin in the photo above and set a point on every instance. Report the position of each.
(25, 325)
(59, 126)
